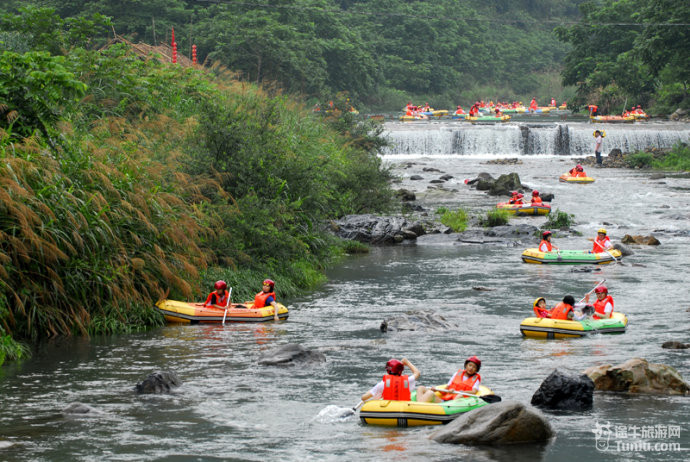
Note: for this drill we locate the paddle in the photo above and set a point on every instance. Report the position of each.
(227, 304)
(614, 257)
(488, 398)
(593, 289)
(349, 412)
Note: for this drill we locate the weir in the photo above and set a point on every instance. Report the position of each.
(517, 139)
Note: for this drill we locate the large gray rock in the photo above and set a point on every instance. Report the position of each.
(638, 376)
(507, 422)
(638, 239)
(159, 382)
(506, 183)
(675, 345)
(425, 320)
(512, 231)
(566, 392)
(372, 229)
(290, 354)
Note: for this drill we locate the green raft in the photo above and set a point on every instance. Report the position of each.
(570, 257)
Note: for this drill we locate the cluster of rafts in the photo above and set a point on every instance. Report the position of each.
(412, 413)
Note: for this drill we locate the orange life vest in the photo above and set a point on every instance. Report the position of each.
(220, 300)
(460, 382)
(549, 247)
(581, 174)
(396, 387)
(561, 311)
(260, 298)
(600, 304)
(536, 200)
(599, 245)
(541, 313)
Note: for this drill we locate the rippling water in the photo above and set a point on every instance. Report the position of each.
(230, 408)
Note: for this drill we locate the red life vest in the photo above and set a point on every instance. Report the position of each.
(536, 200)
(549, 247)
(396, 387)
(220, 300)
(260, 298)
(541, 313)
(461, 382)
(599, 306)
(561, 311)
(581, 174)
(573, 172)
(599, 245)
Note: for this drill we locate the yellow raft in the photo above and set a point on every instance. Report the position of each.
(570, 257)
(547, 328)
(194, 313)
(567, 178)
(524, 209)
(390, 413)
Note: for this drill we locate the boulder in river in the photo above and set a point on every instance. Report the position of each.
(638, 239)
(565, 392)
(290, 354)
(159, 382)
(405, 195)
(512, 231)
(624, 249)
(507, 422)
(425, 320)
(675, 345)
(638, 376)
(372, 229)
(80, 409)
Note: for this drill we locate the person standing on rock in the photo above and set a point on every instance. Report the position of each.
(545, 245)
(395, 386)
(598, 142)
(466, 380)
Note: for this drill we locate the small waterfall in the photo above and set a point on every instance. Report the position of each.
(516, 139)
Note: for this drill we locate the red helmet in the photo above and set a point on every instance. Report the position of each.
(513, 193)
(474, 359)
(394, 367)
(545, 234)
(269, 282)
(220, 285)
(535, 193)
(520, 195)
(601, 290)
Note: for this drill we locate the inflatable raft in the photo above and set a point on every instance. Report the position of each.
(413, 414)
(556, 328)
(612, 119)
(570, 257)
(195, 313)
(525, 209)
(567, 178)
(487, 118)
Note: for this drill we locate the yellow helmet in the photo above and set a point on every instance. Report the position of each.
(601, 230)
(537, 301)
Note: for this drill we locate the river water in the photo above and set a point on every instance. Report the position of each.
(230, 408)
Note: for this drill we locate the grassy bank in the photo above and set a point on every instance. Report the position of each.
(124, 179)
(677, 159)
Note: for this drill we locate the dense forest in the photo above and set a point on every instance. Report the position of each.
(124, 178)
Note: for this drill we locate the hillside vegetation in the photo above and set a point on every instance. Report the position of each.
(124, 179)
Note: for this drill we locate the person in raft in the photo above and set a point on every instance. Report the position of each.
(601, 243)
(577, 171)
(565, 310)
(603, 307)
(536, 199)
(459, 110)
(466, 380)
(220, 297)
(540, 309)
(545, 245)
(267, 297)
(394, 385)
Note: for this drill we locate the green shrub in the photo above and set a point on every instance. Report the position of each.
(455, 220)
(639, 160)
(678, 159)
(558, 220)
(10, 349)
(495, 217)
(354, 247)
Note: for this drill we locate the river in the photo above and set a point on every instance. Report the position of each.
(230, 408)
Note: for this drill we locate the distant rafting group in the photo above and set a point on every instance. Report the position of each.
(636, 113)
(481, 111)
